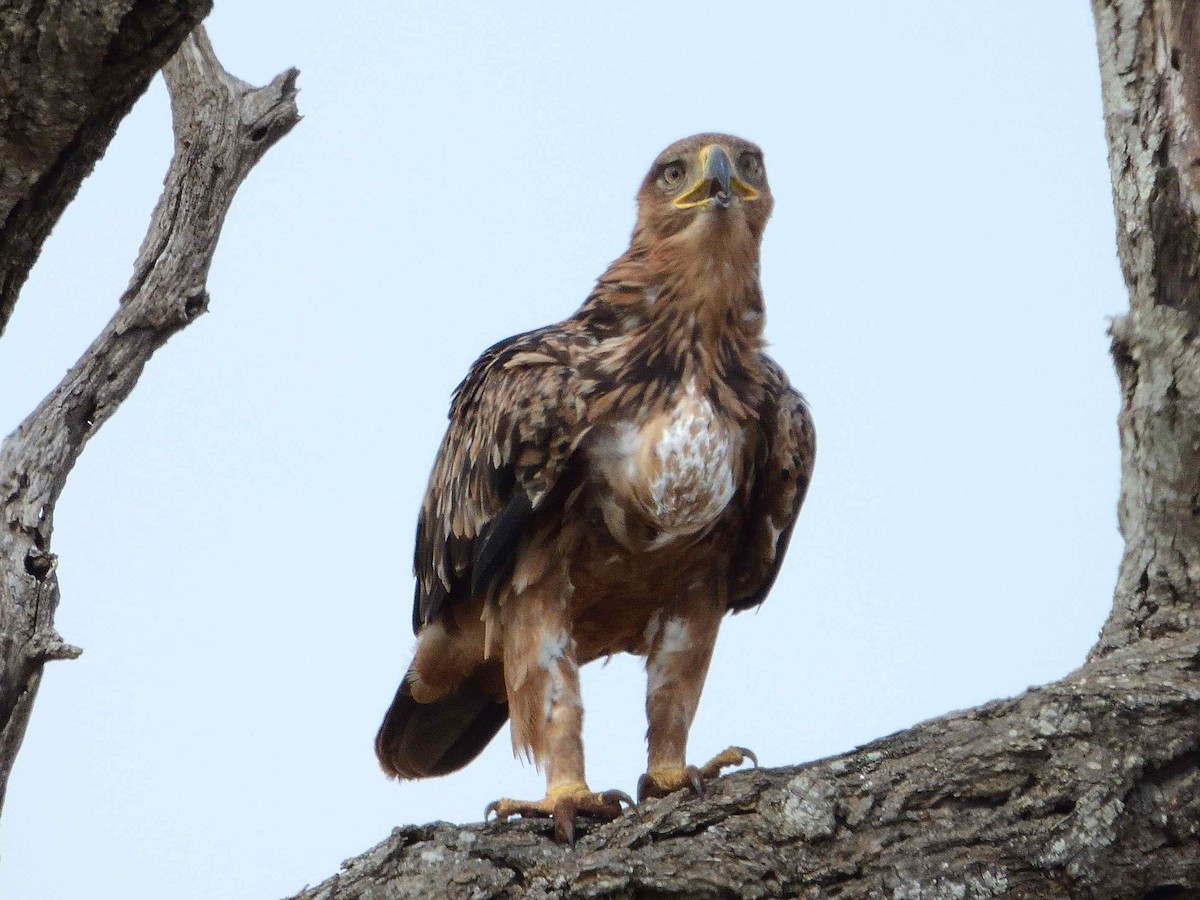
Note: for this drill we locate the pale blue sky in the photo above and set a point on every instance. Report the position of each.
(235, 544)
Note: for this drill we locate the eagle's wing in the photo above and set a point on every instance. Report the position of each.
(514, 422)
(783, 467)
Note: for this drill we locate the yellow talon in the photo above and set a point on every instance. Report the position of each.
(730, 756)
(563, 803)
(663, 781)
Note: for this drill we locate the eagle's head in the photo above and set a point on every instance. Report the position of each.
(708, 188)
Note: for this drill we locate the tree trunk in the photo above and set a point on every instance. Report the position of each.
(1088, 787)
(222, 128)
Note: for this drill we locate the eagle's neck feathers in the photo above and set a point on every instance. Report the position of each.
(685, 308)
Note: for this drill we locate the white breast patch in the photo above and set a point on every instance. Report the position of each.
(691, 471)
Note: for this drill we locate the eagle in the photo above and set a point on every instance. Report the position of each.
(615, 482)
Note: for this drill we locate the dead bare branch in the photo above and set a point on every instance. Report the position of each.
(222, 128)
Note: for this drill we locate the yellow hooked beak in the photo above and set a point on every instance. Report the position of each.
(717, 185)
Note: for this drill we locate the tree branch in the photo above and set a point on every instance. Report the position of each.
(1088, 787)
(70, 70)
(222, 128)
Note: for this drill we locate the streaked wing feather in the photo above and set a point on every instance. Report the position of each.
(782, 472)
(514, 421)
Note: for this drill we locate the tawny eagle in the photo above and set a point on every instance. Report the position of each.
(616, 482)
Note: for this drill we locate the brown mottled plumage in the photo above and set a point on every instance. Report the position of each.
(615, 482)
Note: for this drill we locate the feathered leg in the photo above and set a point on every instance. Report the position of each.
(542, 679)
(679, 654)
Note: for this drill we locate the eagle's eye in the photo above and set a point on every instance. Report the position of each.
(750, 164)
(672, 174)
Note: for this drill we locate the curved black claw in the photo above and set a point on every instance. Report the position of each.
(605, 806)
(526, 809)
(619, 797)
(643, 787)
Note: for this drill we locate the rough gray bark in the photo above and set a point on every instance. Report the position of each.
(1084, 788)
(1088, 787)
(69, 72)
(222, 128)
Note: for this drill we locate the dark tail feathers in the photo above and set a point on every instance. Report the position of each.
(421, 740)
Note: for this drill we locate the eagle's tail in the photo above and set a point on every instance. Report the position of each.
(420, 740)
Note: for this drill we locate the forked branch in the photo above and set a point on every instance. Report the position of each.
(223, 126)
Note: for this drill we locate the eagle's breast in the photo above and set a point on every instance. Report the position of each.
(674, 472)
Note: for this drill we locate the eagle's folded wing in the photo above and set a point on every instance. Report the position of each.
(514, 422)
(782, 471)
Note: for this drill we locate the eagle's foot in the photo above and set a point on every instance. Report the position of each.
(660, 782)
(563, 803)
(730, 756)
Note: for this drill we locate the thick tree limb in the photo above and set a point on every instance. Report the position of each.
(1088, 787)
(70, 70)
(222, 128)
(1150, 67)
